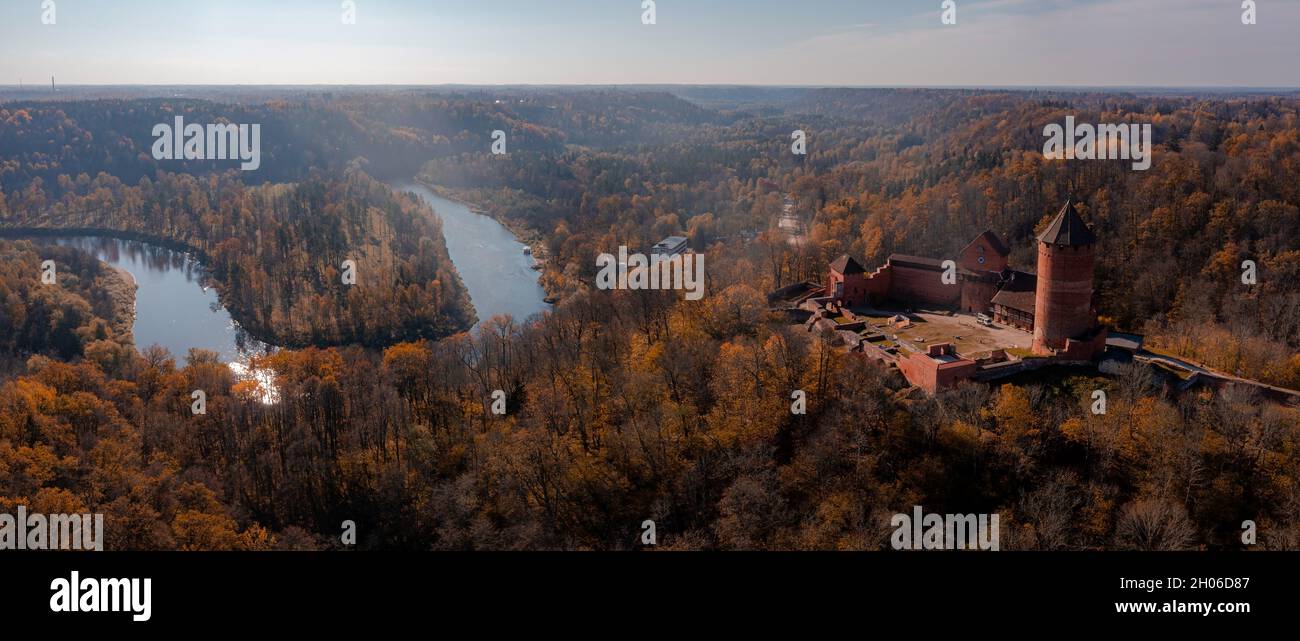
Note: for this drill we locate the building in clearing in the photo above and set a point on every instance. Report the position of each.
(1054, 304)
(669, 247)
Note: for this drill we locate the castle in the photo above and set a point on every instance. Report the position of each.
(1054, 304)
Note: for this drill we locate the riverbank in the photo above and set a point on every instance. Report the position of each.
(124, 296)
(121, 287)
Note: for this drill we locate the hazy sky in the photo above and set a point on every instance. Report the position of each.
(799, 42)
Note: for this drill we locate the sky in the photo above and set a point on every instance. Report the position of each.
(1057, 43)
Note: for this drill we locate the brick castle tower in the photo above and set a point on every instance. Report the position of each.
(1063, 304)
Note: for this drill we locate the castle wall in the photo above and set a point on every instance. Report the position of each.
(861, 288)
(977, 295)
(923, 287)
(933, 376)
(1084, 349)
(852, 292)
(879, 283)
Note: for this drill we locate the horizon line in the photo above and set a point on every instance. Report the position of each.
(34, 86)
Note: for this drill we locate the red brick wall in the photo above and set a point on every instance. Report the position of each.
(1084, 350)
(993, 262)
(933, 376)
(920, 370)
(923, 286)
(879, 283)
(860, 288)
(977, 296)
(1063, 307)
(852, 285)
(953, 373)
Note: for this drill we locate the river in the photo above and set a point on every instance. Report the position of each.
(174, 309)
(491, 261)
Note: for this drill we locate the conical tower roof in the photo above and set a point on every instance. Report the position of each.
(1068, 228)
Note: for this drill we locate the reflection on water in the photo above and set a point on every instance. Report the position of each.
(491, 261)
(173, 308)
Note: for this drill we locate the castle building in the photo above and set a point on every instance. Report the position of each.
(1014, 303)
(1054, 304)
(1063, 303)
(918, 281)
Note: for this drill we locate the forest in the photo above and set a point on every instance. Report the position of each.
(875, 183)
(277, 252)
(627, 406)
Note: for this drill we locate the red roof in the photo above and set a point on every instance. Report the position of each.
(846, 265)
(1018, 292)
(991, 239)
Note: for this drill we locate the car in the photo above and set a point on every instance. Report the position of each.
(984, 320)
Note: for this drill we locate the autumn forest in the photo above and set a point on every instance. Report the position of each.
(623, 406)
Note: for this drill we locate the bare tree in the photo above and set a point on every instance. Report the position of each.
(1050, 509)
(1154, 525)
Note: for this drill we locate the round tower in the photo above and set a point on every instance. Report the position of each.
(1063, 302)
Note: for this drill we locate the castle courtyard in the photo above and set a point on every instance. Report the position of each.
(1045, 315)
(962, 330)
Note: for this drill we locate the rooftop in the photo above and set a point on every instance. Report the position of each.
(1130, 342)
(1018, 292)
(847, 265)
(670, 245)
(991, 239)
(916, 261)
(1068, 229)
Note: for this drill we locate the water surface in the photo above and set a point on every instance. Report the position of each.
(491, 261)
(173, 308)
